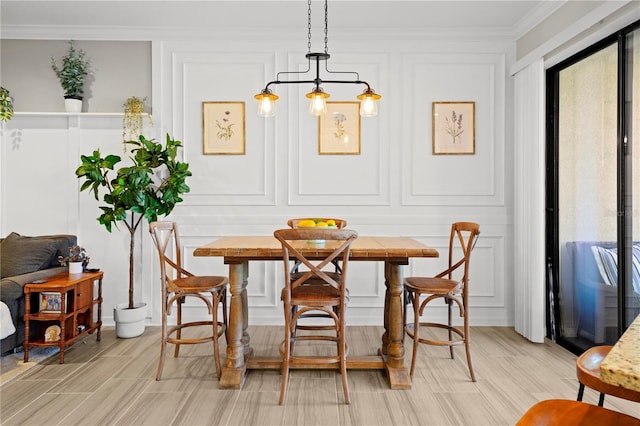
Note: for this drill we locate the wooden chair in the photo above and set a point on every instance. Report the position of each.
(588, 372)
(315, 290)
(178, 283)
(444, 286)
(560, 412)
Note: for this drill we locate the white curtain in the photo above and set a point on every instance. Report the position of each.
(529, 202)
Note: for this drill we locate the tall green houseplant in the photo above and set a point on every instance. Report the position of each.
(136, 192)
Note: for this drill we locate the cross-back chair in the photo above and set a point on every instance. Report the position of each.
(315, 290)
(178, 284)
(445, 286)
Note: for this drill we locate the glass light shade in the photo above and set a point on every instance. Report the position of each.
(369, 103)
(317, 101)
(266, 103)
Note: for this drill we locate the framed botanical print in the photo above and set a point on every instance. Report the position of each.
(339, 129)
(453, 128)
(223, 128)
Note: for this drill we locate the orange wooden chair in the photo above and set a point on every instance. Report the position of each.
(444, 286)
(312, 291)
(588, 372)
(561, 412)
(177, 284)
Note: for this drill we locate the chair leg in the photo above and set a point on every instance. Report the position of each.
(225, 315)
(450, 323)
(216, 345)
(286, 354)
(178, 323)
(601, 400)
(415, 301)
(580, 392)
(343, 359)
(467, 346)
(163, 344)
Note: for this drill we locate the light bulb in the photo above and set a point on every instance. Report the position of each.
(368, 107)
(317, 105)
(266, 103)
(317, 101)
(266, 107)
(369, 103)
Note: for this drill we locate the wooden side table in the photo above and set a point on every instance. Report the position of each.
(72, 302)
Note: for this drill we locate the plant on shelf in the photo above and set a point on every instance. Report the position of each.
(6, 105)
(132, 120)
(72, 72)
(76, 254)
(150, 187)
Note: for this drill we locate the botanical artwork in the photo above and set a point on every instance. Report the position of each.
(453, 128)
(223, 128)
(339, 129)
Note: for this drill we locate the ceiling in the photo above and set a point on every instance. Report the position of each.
(508, 17)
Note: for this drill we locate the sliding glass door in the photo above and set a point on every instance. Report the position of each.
(593, 225)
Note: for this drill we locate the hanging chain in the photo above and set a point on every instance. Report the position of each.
(326, 27)
(309, 27)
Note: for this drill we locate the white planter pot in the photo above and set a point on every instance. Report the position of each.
(72, 105)
(129, 322)
(75, 267)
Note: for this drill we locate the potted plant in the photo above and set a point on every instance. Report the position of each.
(150, 187)
(132, 120)
(77, 260)
(6, 105)
(71, 73)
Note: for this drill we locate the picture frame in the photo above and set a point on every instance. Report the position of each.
(223, 128)
(51, 302)
(453, 128)
(339, 129)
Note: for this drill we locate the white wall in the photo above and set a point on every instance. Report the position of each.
(394, 187)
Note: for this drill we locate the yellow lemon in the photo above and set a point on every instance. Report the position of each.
(306, 223)
(331, 222)
(322, 224)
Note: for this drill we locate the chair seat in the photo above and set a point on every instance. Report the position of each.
(430, 284)
(560, 412)
(316, 295)
(197, 284)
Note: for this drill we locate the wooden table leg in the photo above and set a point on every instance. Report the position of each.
(393, 338)
(238, 348)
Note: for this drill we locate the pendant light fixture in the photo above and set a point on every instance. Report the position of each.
(317, 97)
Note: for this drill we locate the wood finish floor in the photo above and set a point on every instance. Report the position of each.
(112, 382)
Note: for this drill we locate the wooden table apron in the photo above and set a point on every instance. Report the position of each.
(393, 251)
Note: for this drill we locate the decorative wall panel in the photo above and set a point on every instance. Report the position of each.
(329, 179)
(453, 179)
(217, 76)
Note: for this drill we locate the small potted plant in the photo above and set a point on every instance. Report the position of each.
(77, 260)
(6, 105)
(132, 120)
(71, 73)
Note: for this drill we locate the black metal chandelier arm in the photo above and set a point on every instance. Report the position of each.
(288, 82)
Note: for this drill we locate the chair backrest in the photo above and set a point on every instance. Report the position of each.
(340, 223)
(163, 234)
(337, 246)
(464, 236)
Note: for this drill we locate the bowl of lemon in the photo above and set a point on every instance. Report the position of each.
(317, 223)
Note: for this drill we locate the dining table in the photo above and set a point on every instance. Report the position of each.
(239, 251)
(621, 366)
